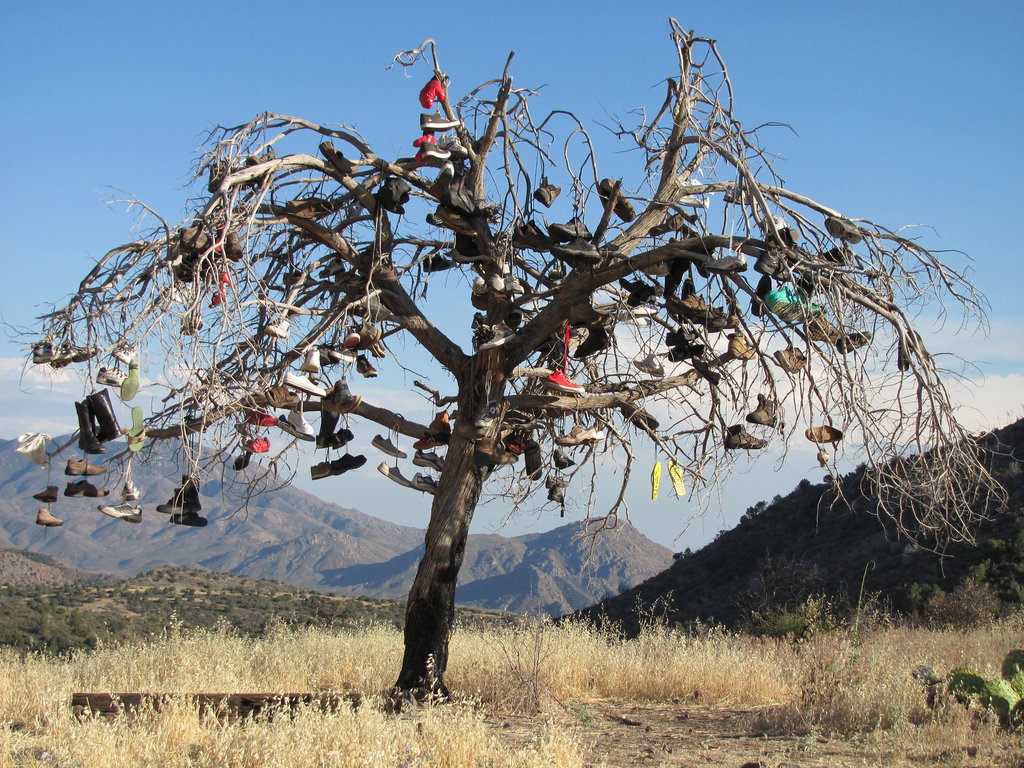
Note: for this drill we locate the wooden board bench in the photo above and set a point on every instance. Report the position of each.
(229, 706)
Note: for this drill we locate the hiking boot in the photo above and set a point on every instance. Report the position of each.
(561, 460)
(766, 412)
(737, 438)
(430, 123)
(622, 207)
(556, 489)
(424, 483)
(790, 359)
(84, 488)
(303, 384)
(125, 512)
(650, 365)
(559, 381)
(528, 235)
(79, 467)
(738, 347)
(824, 434)
(854, 340)
(546, 193)
(489, 452)
(431, 460)
(844, 229)
(393, 473)
(705, 372)
(295, 424)
(384, 444)
(45, 519)
(574, 229)
(110, 377)
(49, 496)
(365, 368)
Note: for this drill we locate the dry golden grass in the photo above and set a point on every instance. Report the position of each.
(827, 685)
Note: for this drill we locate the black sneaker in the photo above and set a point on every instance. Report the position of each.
(394, 194)
(702, 368)
(578, 252)
(437, 263)
(561, 460)
(572, 230)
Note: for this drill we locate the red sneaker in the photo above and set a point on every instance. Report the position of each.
(256, 445)
(558, 380)
(432, 90)
(426, 443)
(259, 419)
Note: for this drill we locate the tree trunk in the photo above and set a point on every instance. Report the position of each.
(431, 607)
(430, 612)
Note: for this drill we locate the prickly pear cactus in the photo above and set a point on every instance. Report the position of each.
(967, 685)
(1013, 664)
(1001, 699)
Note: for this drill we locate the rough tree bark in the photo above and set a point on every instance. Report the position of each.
(308, 238)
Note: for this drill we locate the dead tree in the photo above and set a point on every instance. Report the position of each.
(304, 239)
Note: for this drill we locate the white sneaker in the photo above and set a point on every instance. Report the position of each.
(312, 362)
(295, 424)
(393, 473)
(303, 384)
(424, 483)
(384, 444)
(279, 329)
(650, 365)
(130, 492)
(125, 512)
(110, 377)
(124, 354)
(733, 262)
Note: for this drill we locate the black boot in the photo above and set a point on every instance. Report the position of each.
(103, 411)
(86, 438)
(191, 505)
(328, 424)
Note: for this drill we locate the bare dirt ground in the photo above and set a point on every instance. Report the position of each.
(628, 734)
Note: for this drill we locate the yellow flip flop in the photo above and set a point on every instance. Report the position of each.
(655, 480)
(676, 473)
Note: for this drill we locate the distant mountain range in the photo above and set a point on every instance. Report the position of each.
(297, 538)
(800, 545)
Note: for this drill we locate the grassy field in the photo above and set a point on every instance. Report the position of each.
(533, 694)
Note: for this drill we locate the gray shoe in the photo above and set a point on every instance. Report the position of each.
(424, 483)
(430, 460)
(384, 444)
(393, 473)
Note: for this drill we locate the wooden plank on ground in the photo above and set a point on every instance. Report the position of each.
(229, 706)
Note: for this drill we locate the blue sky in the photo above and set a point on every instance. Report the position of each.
(905, 113)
